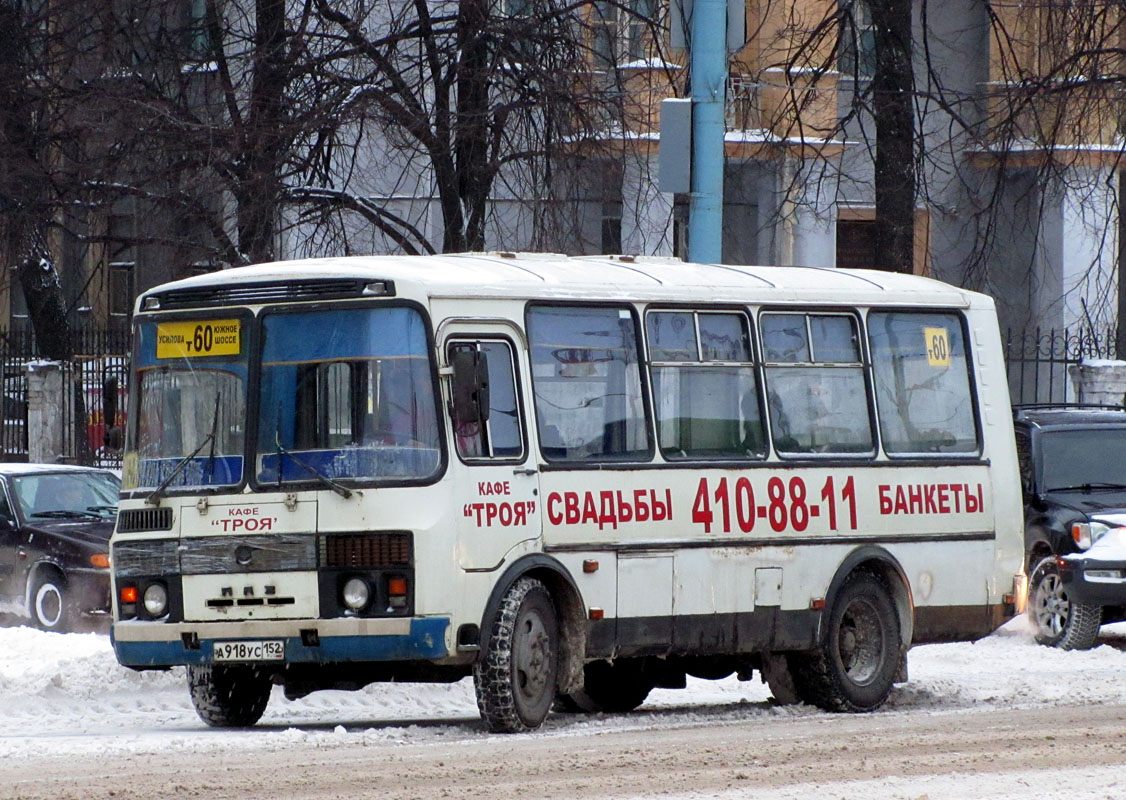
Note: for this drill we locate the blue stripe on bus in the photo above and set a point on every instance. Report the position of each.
(426, 640)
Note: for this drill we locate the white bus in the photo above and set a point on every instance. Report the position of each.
(575, 479)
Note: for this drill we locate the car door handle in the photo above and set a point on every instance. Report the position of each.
(524, 471)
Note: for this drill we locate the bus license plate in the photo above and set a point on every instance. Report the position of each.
(269, 650)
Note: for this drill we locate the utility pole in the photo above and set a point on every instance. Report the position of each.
(708, 64)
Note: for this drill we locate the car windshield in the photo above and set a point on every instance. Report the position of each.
(80, 495)
(189, 429)
(1083, 458)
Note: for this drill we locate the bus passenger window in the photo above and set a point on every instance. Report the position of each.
(587, 384)
(817, 396)
(500, 435)
(704, 385)
(921, 373)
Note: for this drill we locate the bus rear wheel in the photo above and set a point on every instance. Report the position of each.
(855, 666)
(516, 677)
(229, 696)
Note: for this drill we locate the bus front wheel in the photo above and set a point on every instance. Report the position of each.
(855, 666)
(229, 696)
(516, 676)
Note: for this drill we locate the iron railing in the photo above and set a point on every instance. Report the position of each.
(1038, 360)
(101, 360)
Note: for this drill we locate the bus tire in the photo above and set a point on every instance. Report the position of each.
(615, 687)
(1058, 622)
(516, 677)
(854, 668)
(229, 696)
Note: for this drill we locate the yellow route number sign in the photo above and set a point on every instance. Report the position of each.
(213, 337)
(938, 347)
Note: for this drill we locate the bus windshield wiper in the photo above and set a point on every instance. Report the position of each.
(154, 498)
(1087, 487)
(328, 482)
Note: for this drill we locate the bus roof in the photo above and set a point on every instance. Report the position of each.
(552, 276)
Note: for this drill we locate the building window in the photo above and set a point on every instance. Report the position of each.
(856, 239)
(121, 261)
(643, 13)
(857, 40)
(856, 243)
(121, 289)
(195, 36)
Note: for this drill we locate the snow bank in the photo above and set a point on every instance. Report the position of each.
(65, 693)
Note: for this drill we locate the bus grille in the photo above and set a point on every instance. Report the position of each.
(146, 559)
(135, 520)
(366, 550)
(234, 554)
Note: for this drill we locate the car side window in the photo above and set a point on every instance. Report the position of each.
(5, 508)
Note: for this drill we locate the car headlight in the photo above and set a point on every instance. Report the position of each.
(1086, 534)
(156, 600)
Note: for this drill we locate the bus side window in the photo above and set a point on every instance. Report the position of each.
(923, 393)
(499, 435)
(817, 395)
(586, 378)
(705, 387)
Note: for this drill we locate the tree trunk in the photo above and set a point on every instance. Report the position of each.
(265, 134)
(892, 92)
(471, 147)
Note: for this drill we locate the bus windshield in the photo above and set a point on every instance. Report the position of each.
(191, 411)
(346, 394)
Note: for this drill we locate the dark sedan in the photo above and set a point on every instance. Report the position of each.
(55, 524)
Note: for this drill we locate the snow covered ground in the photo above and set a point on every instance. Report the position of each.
(65, 694)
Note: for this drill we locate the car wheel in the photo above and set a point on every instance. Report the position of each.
(50, 602)
(1058, 621)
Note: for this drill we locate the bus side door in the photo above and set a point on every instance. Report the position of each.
(496, 482)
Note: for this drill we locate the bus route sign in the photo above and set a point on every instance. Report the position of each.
(213, 337)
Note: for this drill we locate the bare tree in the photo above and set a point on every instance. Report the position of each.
(480, 91)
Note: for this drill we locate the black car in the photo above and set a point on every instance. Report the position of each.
(55, 524)
(1073, 470)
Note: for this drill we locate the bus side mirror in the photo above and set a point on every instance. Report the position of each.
(470, 385)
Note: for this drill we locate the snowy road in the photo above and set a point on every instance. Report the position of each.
(1003, 718)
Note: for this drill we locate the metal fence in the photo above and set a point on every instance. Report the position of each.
(1037, 361)
(101, 361)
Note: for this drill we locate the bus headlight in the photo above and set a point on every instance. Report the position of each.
(156, 600)
(356, 594)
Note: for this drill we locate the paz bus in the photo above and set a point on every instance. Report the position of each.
(573, 478)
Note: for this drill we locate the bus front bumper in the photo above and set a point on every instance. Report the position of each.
(145, 644)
